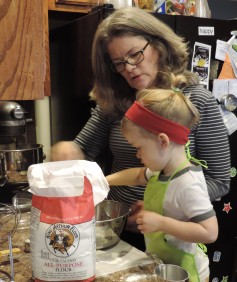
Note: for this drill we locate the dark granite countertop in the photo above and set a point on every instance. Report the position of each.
(22, 269)
(22, 266)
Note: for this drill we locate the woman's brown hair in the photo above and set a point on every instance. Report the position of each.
(111, 91)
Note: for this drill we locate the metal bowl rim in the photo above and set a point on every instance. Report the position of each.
(116, 218)
(33, 147)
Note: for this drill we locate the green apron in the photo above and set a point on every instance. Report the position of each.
(155, 242)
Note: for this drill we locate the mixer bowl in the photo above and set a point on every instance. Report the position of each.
(15, 161)
(111, 217)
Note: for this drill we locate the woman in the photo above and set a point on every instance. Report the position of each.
(133, 50)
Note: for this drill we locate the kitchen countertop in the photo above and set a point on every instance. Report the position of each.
(119, 263)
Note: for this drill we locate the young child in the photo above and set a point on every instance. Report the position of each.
(177, 212)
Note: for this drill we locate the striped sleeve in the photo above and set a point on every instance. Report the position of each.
(95, 135)
(209, 141)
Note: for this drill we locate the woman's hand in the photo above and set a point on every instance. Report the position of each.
(131, 221)
(66, 150)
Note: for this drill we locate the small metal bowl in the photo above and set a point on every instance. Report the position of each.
(171, 273)
(110, 217)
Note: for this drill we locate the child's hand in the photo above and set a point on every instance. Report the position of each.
(149, 222)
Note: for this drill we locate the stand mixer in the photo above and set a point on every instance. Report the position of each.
(12, 123)
(16, 155)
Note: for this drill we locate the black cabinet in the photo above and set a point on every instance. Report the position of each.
(71, 75)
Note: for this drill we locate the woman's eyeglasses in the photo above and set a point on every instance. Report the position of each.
(133, 59)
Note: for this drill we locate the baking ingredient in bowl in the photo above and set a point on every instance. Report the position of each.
(105, 237)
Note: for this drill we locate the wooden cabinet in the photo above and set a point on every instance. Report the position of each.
(80, 6)
(24, 54)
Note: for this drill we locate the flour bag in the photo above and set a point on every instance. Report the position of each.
(62, 229)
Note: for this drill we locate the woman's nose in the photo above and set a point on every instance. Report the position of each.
(129, 67)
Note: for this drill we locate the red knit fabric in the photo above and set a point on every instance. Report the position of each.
(157, 124)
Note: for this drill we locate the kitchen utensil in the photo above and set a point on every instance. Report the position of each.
(171, 273)
(9, 218)
(229, 102)
(23, 227)
(110, 220)
(23, 204)
(17, 159)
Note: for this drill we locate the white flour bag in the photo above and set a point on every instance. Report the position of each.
(62, 229)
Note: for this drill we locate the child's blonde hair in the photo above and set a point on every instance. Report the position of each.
(168, 103)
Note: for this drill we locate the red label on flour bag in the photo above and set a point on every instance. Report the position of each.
(63, 243)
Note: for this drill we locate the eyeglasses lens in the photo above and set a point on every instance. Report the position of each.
(133, 60)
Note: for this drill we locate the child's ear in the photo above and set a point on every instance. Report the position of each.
(163, 139)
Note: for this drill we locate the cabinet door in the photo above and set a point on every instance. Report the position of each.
(79, 6)
(71, 76)
(23, 49)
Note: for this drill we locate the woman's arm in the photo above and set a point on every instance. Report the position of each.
(128, 177)
(205, 231)
(94, 136)
(89, 142)
(209, 142)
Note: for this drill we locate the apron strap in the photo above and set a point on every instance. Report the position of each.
(178, 169)
(203, 163)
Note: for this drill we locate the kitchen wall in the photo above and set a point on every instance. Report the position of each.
(42, 125)
(223, 9)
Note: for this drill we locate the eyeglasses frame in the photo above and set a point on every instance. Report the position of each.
(125, 62)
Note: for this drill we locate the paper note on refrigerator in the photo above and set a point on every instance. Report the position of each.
(201, 62)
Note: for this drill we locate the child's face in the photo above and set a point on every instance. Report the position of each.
(149, 150)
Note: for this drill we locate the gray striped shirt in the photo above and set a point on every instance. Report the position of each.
(208, 141)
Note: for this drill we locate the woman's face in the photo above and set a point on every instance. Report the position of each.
(142, 75)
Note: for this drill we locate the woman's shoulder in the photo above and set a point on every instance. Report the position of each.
(200, 96)
(197, 91)
(98, 114)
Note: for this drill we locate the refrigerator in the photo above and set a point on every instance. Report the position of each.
(72, 79)
(223, 253)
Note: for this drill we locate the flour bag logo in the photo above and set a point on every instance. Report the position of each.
(62, 239)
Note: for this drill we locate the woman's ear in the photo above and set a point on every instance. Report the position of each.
(163, 140)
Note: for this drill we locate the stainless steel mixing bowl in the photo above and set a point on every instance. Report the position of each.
(110, 220)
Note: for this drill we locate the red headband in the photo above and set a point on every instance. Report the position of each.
(157, 124)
